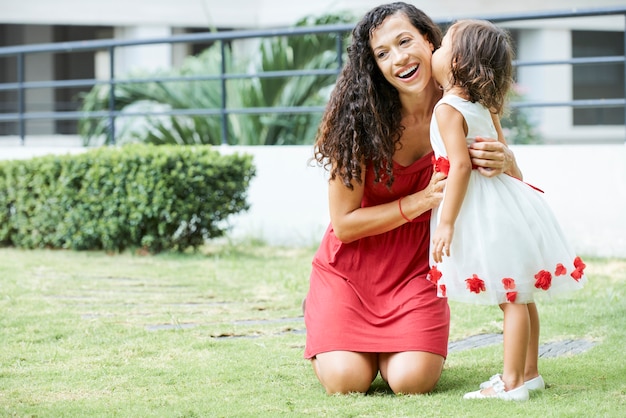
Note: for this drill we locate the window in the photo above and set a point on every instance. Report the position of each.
(598, 81)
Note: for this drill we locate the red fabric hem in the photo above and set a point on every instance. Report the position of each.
(309, 356)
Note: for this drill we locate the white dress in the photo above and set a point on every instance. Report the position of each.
(507, 244)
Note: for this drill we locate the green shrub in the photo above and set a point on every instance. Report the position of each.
(114, 198)
(5, 228)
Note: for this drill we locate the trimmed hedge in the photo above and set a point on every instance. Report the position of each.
(138, 196)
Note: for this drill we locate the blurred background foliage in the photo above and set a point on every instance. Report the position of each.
(302, 52)
(298, 52)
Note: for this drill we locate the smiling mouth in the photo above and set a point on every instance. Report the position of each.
(408, 72)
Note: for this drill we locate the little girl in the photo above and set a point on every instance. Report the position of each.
(494, 239)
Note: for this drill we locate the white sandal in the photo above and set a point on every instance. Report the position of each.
(536, 383)
(496, 383)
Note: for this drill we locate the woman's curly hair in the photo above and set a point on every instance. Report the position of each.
(361, 124)
(482, 62)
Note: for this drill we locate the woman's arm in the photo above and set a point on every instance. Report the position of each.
(493, 156)
(351, 222)
(452, 127)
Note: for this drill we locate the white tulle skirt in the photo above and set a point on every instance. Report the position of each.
(507, 247)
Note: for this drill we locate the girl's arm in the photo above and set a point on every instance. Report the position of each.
(351, 222)
(453, 131)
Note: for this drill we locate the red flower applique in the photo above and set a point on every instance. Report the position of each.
(578, 263)
(577, 274)
(543, 280)
(434, 274)
(511, 296)
(441, 165)
(442, 290)
(560, 270)
(475, 284)
(508, 283)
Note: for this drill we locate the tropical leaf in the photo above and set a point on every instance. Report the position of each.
(302, 52)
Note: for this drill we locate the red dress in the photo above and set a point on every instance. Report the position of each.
(372, 295)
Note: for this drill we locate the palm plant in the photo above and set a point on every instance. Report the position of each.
(304, 52)
(154, 97)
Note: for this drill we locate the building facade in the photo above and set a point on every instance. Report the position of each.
(42, 21)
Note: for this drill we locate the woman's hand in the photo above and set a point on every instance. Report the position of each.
(433, 193)
(493, 157)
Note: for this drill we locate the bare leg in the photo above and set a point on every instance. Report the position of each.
(531, 369)
(411, 372)
(345, 371)
(516, 341)
(516, 338)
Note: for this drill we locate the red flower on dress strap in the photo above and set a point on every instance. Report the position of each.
(508, 283)
(580, 269)
(475, 284)
(543, 280)
(511, 296)
(442, 290)
(441, 165)
(434, 275)
(560, 270)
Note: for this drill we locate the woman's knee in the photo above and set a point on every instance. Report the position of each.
(412, 384)
(345, 372)
(411, 372)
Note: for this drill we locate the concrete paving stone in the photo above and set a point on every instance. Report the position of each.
(475, 341)
(564, 348)
(548, 350)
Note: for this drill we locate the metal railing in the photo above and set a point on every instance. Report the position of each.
(21, 85)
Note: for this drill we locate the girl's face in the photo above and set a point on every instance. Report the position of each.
(442, 61)
(402, 53)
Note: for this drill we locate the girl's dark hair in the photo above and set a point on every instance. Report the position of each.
(482, 62)
(361, 124)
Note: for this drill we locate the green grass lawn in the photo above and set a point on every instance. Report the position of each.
(219, 333)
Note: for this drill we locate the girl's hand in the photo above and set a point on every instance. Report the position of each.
(442, 238)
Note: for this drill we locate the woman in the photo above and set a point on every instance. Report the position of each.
(370, 308)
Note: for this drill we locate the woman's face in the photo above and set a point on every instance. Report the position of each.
(403, 54)
(442, 61)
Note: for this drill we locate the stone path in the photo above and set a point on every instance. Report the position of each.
(566, 347)
(548, 350)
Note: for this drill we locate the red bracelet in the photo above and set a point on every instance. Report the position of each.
(402, 213)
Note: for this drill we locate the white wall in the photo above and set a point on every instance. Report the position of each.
(288, 196)
(586, 187)
(248, 13)
(145, 58)
(584, 184)
(547, 83)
